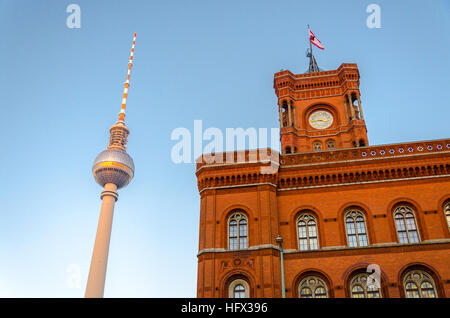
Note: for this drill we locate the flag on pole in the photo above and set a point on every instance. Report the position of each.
(315, 41)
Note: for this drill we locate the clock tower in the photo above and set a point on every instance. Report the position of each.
(320, 110)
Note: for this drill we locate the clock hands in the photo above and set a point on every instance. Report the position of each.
(320, 119)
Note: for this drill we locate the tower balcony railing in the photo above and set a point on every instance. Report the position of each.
(368, 152)
(301, 171)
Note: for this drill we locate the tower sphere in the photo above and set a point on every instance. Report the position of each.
(113, 166)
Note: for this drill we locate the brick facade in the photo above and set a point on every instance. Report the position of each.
(374, 180)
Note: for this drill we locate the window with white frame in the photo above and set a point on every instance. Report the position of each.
(239, 288)
(355, 226)
(237, 231)
(307, 232)
(405, 223)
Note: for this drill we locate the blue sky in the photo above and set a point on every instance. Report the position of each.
(61, 90)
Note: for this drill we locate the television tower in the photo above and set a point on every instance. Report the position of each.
(113, 169)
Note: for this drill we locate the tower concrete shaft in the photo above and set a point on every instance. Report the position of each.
(97, 274)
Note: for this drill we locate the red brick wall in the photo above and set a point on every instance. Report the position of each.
(271, 213)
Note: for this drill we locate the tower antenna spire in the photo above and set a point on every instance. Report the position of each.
(127, 83)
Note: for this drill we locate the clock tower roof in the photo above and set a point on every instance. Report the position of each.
(287, 82)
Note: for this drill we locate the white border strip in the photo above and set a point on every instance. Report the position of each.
(362, 182)
(323, 249)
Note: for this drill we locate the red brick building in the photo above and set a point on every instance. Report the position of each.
(339, 205)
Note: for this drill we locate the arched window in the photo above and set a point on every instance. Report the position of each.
(447, 213)
(237, 231)
(355, 226)
(419, 284)
(405, 224)
(239, 291)
(239, 288)
(307, 232)
(330, 145)
(317, 146)
(288, 149)
(312, 287)
(359, 287)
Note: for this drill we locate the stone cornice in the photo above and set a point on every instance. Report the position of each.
(353, 166)
(307, 76)
(319, 84)
(251, 248)
(327, 249)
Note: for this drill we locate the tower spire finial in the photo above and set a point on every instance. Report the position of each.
(127, 83)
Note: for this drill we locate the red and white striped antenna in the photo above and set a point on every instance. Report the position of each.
(127, 84)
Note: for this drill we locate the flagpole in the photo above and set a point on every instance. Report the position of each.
(310, 45)
(313, 67)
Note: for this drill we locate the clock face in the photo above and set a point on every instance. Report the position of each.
(321, 119)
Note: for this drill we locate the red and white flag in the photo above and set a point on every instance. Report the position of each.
(315, 40)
